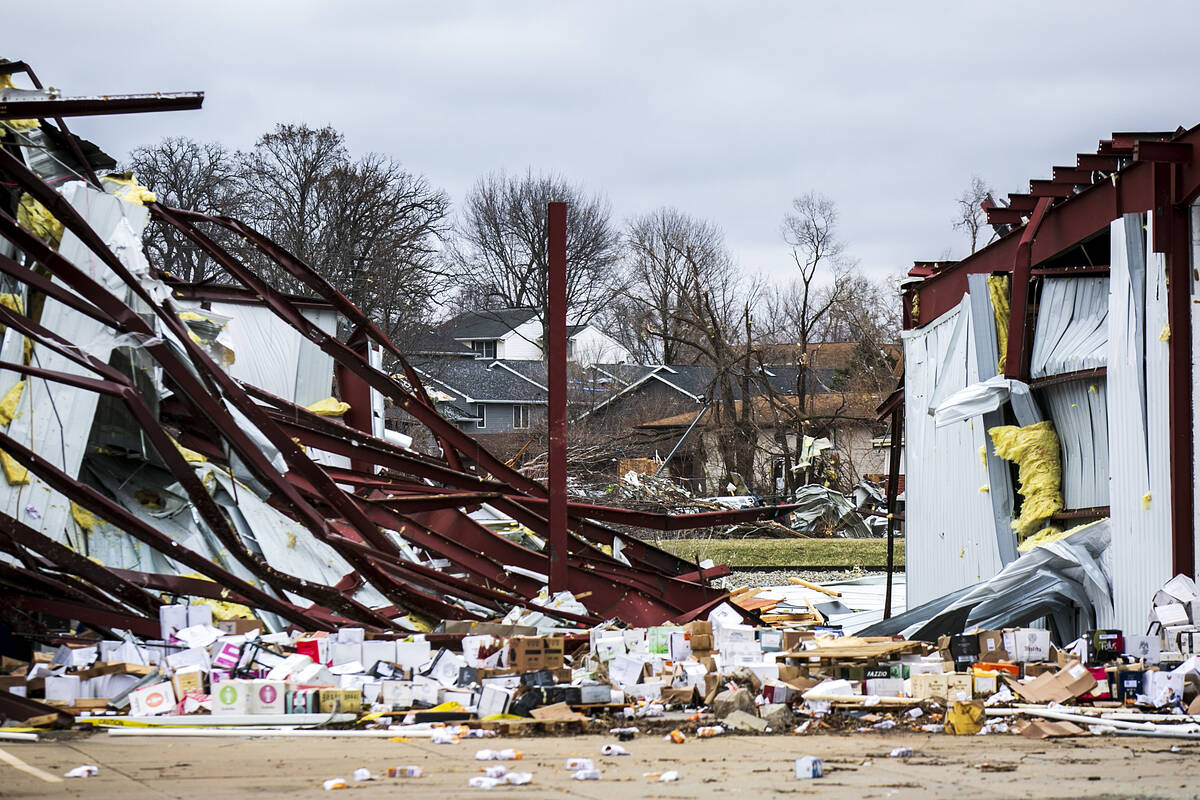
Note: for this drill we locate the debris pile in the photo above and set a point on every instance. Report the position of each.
(220, 445)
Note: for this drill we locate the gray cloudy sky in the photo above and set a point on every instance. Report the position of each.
(725, 110)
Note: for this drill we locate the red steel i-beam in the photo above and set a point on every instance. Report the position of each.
(556, 372)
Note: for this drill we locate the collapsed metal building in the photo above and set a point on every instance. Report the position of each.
(165, 438)
(1080, 315)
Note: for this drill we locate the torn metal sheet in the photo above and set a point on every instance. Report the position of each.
(1055, 580)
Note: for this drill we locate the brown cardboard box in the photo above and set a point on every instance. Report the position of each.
(234, 627)
(959, 686)
(929, 686)
(991, 646)
(1036, 668)
(555, 647)
(793, 639)
(701, 642)
(344, 701)
(791, 672)
(701, 627)
(488, 628)
(680, 697)
(1058, 687)
(526, 653)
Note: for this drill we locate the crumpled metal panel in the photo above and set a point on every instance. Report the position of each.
(1052, 580)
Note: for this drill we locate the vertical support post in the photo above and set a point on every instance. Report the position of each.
(1179, 381)
(357, 392)
(556, 369)
(893, 489)
(1016, 361)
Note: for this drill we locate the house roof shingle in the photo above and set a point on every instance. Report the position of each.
(488, 324)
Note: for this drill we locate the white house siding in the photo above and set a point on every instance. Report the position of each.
(950, 536)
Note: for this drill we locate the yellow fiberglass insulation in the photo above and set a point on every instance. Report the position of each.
(8, 405)
(126, 187)
(329, 407)
(1034, 449)
(998, 294)
(37, 219)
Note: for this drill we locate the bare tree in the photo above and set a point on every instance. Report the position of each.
(662, 251)
(368, 226)
(500, 248)
(184, 173)
(971, 217)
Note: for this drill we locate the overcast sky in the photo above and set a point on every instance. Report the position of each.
(725, 110)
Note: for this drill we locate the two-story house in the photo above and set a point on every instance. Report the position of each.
(515, 334)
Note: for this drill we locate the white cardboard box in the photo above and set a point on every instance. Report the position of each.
(266, 697)
(376, 650)
(171, 619)
(62, 687)
(397, 694)
(232, 697)
(1027, 644)
(157, 698)
(344, 653)
(493, 700)
(411, 655)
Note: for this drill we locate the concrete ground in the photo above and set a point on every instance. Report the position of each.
(857, 766)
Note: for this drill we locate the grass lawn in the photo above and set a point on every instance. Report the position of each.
(786, 552)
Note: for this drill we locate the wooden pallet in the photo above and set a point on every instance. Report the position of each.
(533, 727)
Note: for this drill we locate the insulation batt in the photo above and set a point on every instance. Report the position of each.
(1034, 449)
(998, 294)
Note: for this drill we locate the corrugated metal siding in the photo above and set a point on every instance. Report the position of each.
(1137, 424)
(1079, 410)
(1072, 326)
(950, 536)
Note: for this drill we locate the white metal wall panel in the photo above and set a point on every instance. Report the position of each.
(950, 535)
(1072, 326)
(1137, 424)
(270, 354)
(1079, 410)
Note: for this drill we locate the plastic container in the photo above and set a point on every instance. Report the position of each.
(518, 778)
(405, 772)
(483, 782)
(677, 736)
(809, 767)
(707, 731)
(496, 771)
(900, 752)
(507, 754)
(586, 775)
(334, 783)
(575, 764)
(613, 750)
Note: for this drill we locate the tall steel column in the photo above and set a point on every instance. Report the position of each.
(556, 368)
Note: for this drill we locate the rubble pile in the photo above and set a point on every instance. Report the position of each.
(700, 679)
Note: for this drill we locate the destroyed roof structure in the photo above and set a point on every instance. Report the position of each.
(1049, 379)
(188, 440)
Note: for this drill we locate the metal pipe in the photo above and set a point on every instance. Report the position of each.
(682, 439)
(556, 372)
(893, 491)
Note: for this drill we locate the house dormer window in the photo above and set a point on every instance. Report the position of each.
(484, 348)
